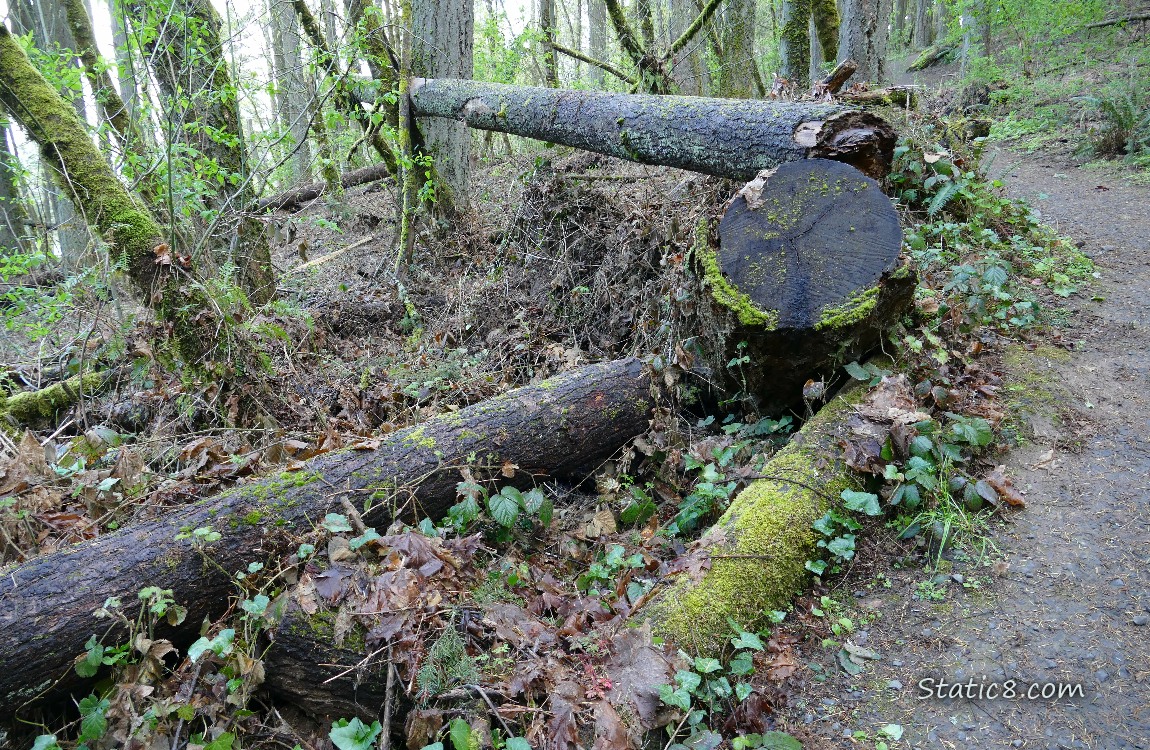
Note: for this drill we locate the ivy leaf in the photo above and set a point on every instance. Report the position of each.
(688, 680)
(706, 665)
(675, 698)
(862, 502)
(856, 371)
(354, 734)
(369, 535)
(818, 567)
(504, 508)
(843, 546)
(516, 743)
(336, 523)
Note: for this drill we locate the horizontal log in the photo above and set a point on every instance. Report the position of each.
(293, 200)
(734, 138)
(753, 560)
(561, 427)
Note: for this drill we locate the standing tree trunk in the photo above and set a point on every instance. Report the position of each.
(12, 213)
(596, 38)
(794, 45)
(863, 38)
(293, 94)
(922, 27)
(900, 9)
(159, 275)
(188, 62)
(48, 25)
(441, 45)
(738, 40)
(688, 68)
(547, 33)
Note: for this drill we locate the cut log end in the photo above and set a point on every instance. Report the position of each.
(862, 140)
(807, 276)
(802, 239)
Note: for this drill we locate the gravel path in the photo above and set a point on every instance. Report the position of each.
(1072, 604)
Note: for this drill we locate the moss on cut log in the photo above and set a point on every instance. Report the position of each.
(32, 406)
(759, 548)
(805, 274)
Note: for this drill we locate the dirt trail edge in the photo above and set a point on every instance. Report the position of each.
(1072, 604)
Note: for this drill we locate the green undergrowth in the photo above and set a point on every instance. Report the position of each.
(984, 259)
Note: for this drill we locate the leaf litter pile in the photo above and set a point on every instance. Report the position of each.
(512, 620)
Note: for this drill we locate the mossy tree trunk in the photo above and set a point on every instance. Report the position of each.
(805, 276)
(562, 427)
(722, 137)
(738, 41)
(753, 560)
(795, 41)
(187, 59)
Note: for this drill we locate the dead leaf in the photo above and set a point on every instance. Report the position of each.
(600, 523)
(1005, 488)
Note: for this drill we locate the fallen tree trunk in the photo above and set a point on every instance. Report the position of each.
(30, 406)
(293, 200)
(562, 427)
(892, 96)
(733, 138)
(932, 56)
(806, 276)
(753, 560)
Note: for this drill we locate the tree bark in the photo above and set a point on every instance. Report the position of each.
(863, 35)
(688, 67)
(49, 27)
(547, 32)
(738, 40)
(562, 427)
(922, 27)
(806, 277)
(293, 94)
(441, 45)
(596, 38)
(294, 199)
(188, 62)
(726, 138)
(12, 213)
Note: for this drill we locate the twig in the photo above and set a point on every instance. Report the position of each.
(388, 696)
(349, 670)
(494, 710)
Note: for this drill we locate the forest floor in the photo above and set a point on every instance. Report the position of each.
(1068, 600)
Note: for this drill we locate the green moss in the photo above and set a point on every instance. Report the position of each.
(31, 406)
(759, 548)
(723, 291)
(854, 310)
(419, 437)
(253, 518)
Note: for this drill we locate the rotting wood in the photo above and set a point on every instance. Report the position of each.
(735, 138)
(561, 427)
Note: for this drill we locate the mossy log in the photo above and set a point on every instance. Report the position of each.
(806, 276)
(32, 406)
(560, 427)
(735, 138)
(753, 559)
(931, 56)
(892, 96)
(305, 667)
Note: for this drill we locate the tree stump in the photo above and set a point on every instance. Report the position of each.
(806, 277)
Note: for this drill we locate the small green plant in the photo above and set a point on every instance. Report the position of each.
(929, 591)
(447, 664)
(838, 530)
(601, 578)
(711, 689)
